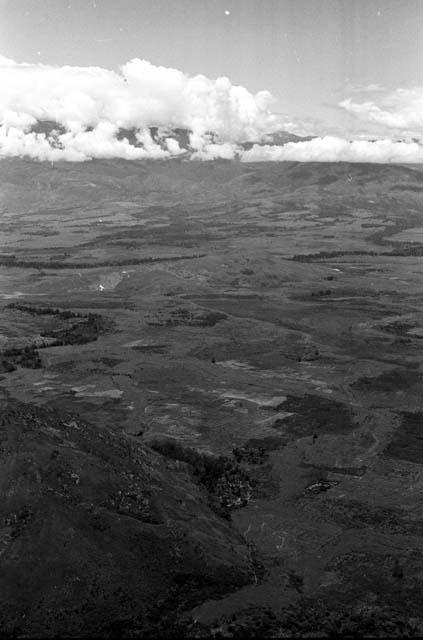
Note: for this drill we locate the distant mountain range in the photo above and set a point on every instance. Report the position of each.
(182, 136)
(279, 139)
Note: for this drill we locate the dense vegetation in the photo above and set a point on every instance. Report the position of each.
(13, 261)
(74, 328)
(227, 483)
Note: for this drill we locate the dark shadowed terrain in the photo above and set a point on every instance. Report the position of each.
(211, 415)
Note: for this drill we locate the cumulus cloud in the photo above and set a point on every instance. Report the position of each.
(137, 112)
(92, 104)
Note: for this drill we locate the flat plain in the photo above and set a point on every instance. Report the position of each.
(267, 317)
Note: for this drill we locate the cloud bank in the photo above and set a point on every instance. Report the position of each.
(92, 105)
(333, 149)
(152, 112)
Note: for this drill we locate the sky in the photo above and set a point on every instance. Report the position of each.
(351, 68)
(307, 53)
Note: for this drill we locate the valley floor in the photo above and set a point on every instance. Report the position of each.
(269, 314)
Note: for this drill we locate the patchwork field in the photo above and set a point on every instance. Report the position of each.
(267, 318)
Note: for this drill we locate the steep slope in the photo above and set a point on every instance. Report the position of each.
(99, 535)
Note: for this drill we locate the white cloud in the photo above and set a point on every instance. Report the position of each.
(401, 110)
(368, 88)
(173, 147)
(140, 96)
(374, 87)
(91, 106)
(333, 149)
(225, 151)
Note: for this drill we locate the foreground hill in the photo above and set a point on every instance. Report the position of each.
(99, 535)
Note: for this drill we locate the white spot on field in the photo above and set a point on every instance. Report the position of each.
(235, 364)
(85, 391)
(262, 402)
